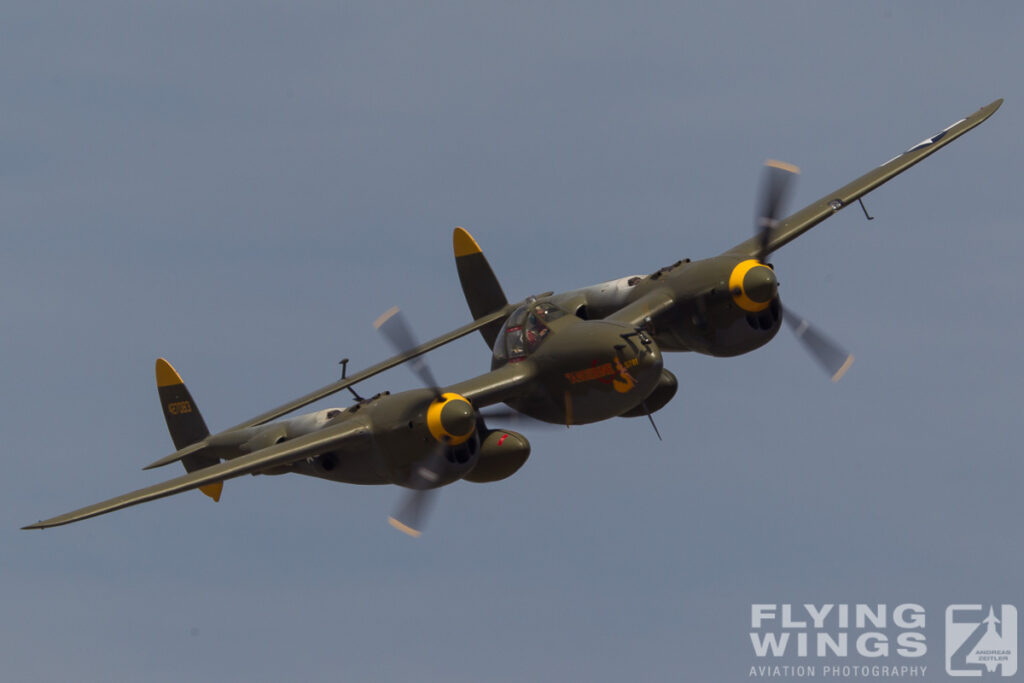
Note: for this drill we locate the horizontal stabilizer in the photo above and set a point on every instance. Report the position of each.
(177, 455)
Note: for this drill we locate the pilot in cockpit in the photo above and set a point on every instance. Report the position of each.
(525, 330)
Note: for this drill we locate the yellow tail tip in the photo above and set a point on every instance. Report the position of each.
(166, 375)
(213, 490)
(464, 243)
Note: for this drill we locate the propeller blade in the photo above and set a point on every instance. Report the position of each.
(411, 515)
(776, 186)
(834, 358)
(396, 330)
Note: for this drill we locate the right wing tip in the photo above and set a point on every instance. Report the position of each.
(990, 108)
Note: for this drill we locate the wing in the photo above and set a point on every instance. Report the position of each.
(806, 218)
(345, 434)
(497, 385)
(650, 305)
(335, 387)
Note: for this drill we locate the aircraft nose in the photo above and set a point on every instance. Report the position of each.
(637, 359)
(650, 358)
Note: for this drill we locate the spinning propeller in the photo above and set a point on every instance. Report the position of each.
(451, 419)
(396, 330)
(776, 186)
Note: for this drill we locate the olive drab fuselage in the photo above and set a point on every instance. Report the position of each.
(583, 370)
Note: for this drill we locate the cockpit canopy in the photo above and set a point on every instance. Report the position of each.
(524, 331)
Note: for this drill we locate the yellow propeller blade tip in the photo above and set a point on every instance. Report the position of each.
(384, 317)
(785, 166)
(404, 528)
(842, 371)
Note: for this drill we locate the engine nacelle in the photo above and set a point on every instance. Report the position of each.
(657, 399)
(502, 453)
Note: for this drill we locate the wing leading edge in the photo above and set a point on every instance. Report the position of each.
(335, 387)
(329, 438)
(809, 216)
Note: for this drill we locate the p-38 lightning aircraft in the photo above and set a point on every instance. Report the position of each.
(570, 358)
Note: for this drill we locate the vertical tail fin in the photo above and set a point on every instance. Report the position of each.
(184, 422)
(483, 292)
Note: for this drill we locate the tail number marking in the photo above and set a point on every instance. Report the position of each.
(179, 407)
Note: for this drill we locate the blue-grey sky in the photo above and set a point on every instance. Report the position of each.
(243, 187)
